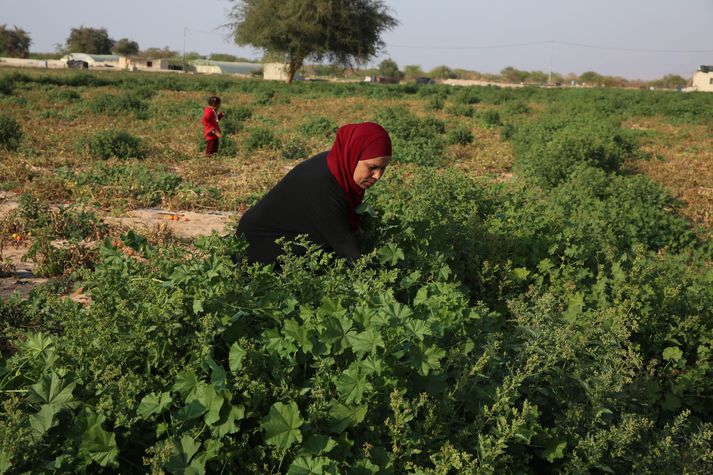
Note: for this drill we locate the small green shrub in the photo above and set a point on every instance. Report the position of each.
(414, 139)
(127, 102)
(261, 138)
(64, 95)
(7, 86)
(294, 149)
(435, 103)
(490, 118)
(463, 110)
(264, 97)
(10, 133)
(317, 127)
(549, 149)
(111, 144)
(460, 135)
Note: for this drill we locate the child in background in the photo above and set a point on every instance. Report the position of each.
(211, 126)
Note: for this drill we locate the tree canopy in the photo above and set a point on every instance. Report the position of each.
(126, 47)
(342, 31)
(89, 40)
(389, 69)
(14, 43)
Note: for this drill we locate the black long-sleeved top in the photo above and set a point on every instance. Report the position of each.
(308, 200)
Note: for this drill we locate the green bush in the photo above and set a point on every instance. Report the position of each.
(111, 144)
(136, 184)
(317, 127)
(463, 110)
(414, 139)
(548, 149)
(10, 133)
(459, 135)
(261, 138)
(490, 118)
(294, 149)
(127, 102)
(435, 103)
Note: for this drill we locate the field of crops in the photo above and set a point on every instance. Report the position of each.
(536, 294)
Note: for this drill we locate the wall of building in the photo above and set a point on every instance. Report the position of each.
(33, 63)
(703, 81)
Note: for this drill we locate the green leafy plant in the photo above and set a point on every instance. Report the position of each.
(111, 144)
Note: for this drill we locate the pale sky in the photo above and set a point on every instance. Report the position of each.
(642, 39)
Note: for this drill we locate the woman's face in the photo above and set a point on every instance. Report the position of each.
(368, 172)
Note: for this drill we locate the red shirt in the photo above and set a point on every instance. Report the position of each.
(210, 122)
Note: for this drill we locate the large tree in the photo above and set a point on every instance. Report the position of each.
(389, 69)
(89, 40)
(14, 43)
(342, 31)
(126, 47)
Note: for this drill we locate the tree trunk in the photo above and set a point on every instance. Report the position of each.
(294, 65)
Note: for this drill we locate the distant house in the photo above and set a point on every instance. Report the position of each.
(703, 79)
(134, 64)
(277, 72)
(206, 66)
(94, 60)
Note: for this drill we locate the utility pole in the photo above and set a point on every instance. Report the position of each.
(185, 29)
(552, 52)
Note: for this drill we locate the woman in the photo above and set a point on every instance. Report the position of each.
(318, 197)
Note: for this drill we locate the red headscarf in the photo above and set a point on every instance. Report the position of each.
(356, 142)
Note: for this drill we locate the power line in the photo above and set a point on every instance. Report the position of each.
(561, 43)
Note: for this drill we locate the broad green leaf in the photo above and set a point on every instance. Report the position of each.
(229, 415)
(371, 365)
(211, 400)
(191, 410)
(366, 342)
(337, 333)
(390, 254)
(44, 420)
(153, 404)
(307, 465)
(236, 357)
(341, 416)
(352, 385)
(98, 445)
(5, 461)
(197, 306)
(418, 328)
(672, 353)
(184, 460)
(397, 311)
(39, 344)
(575, 307)
(410, 280)
(217, 373)
(318, 445)
(427, 359)
(185, 384)
(52, 389)
(520, 273)
(554, 450)
(282, 425)
(299, 333)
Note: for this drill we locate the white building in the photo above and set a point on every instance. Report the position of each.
(206, 66)
(134, 64)
(94, 60)
(33, 63)
(703, 79)
(277, 72)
